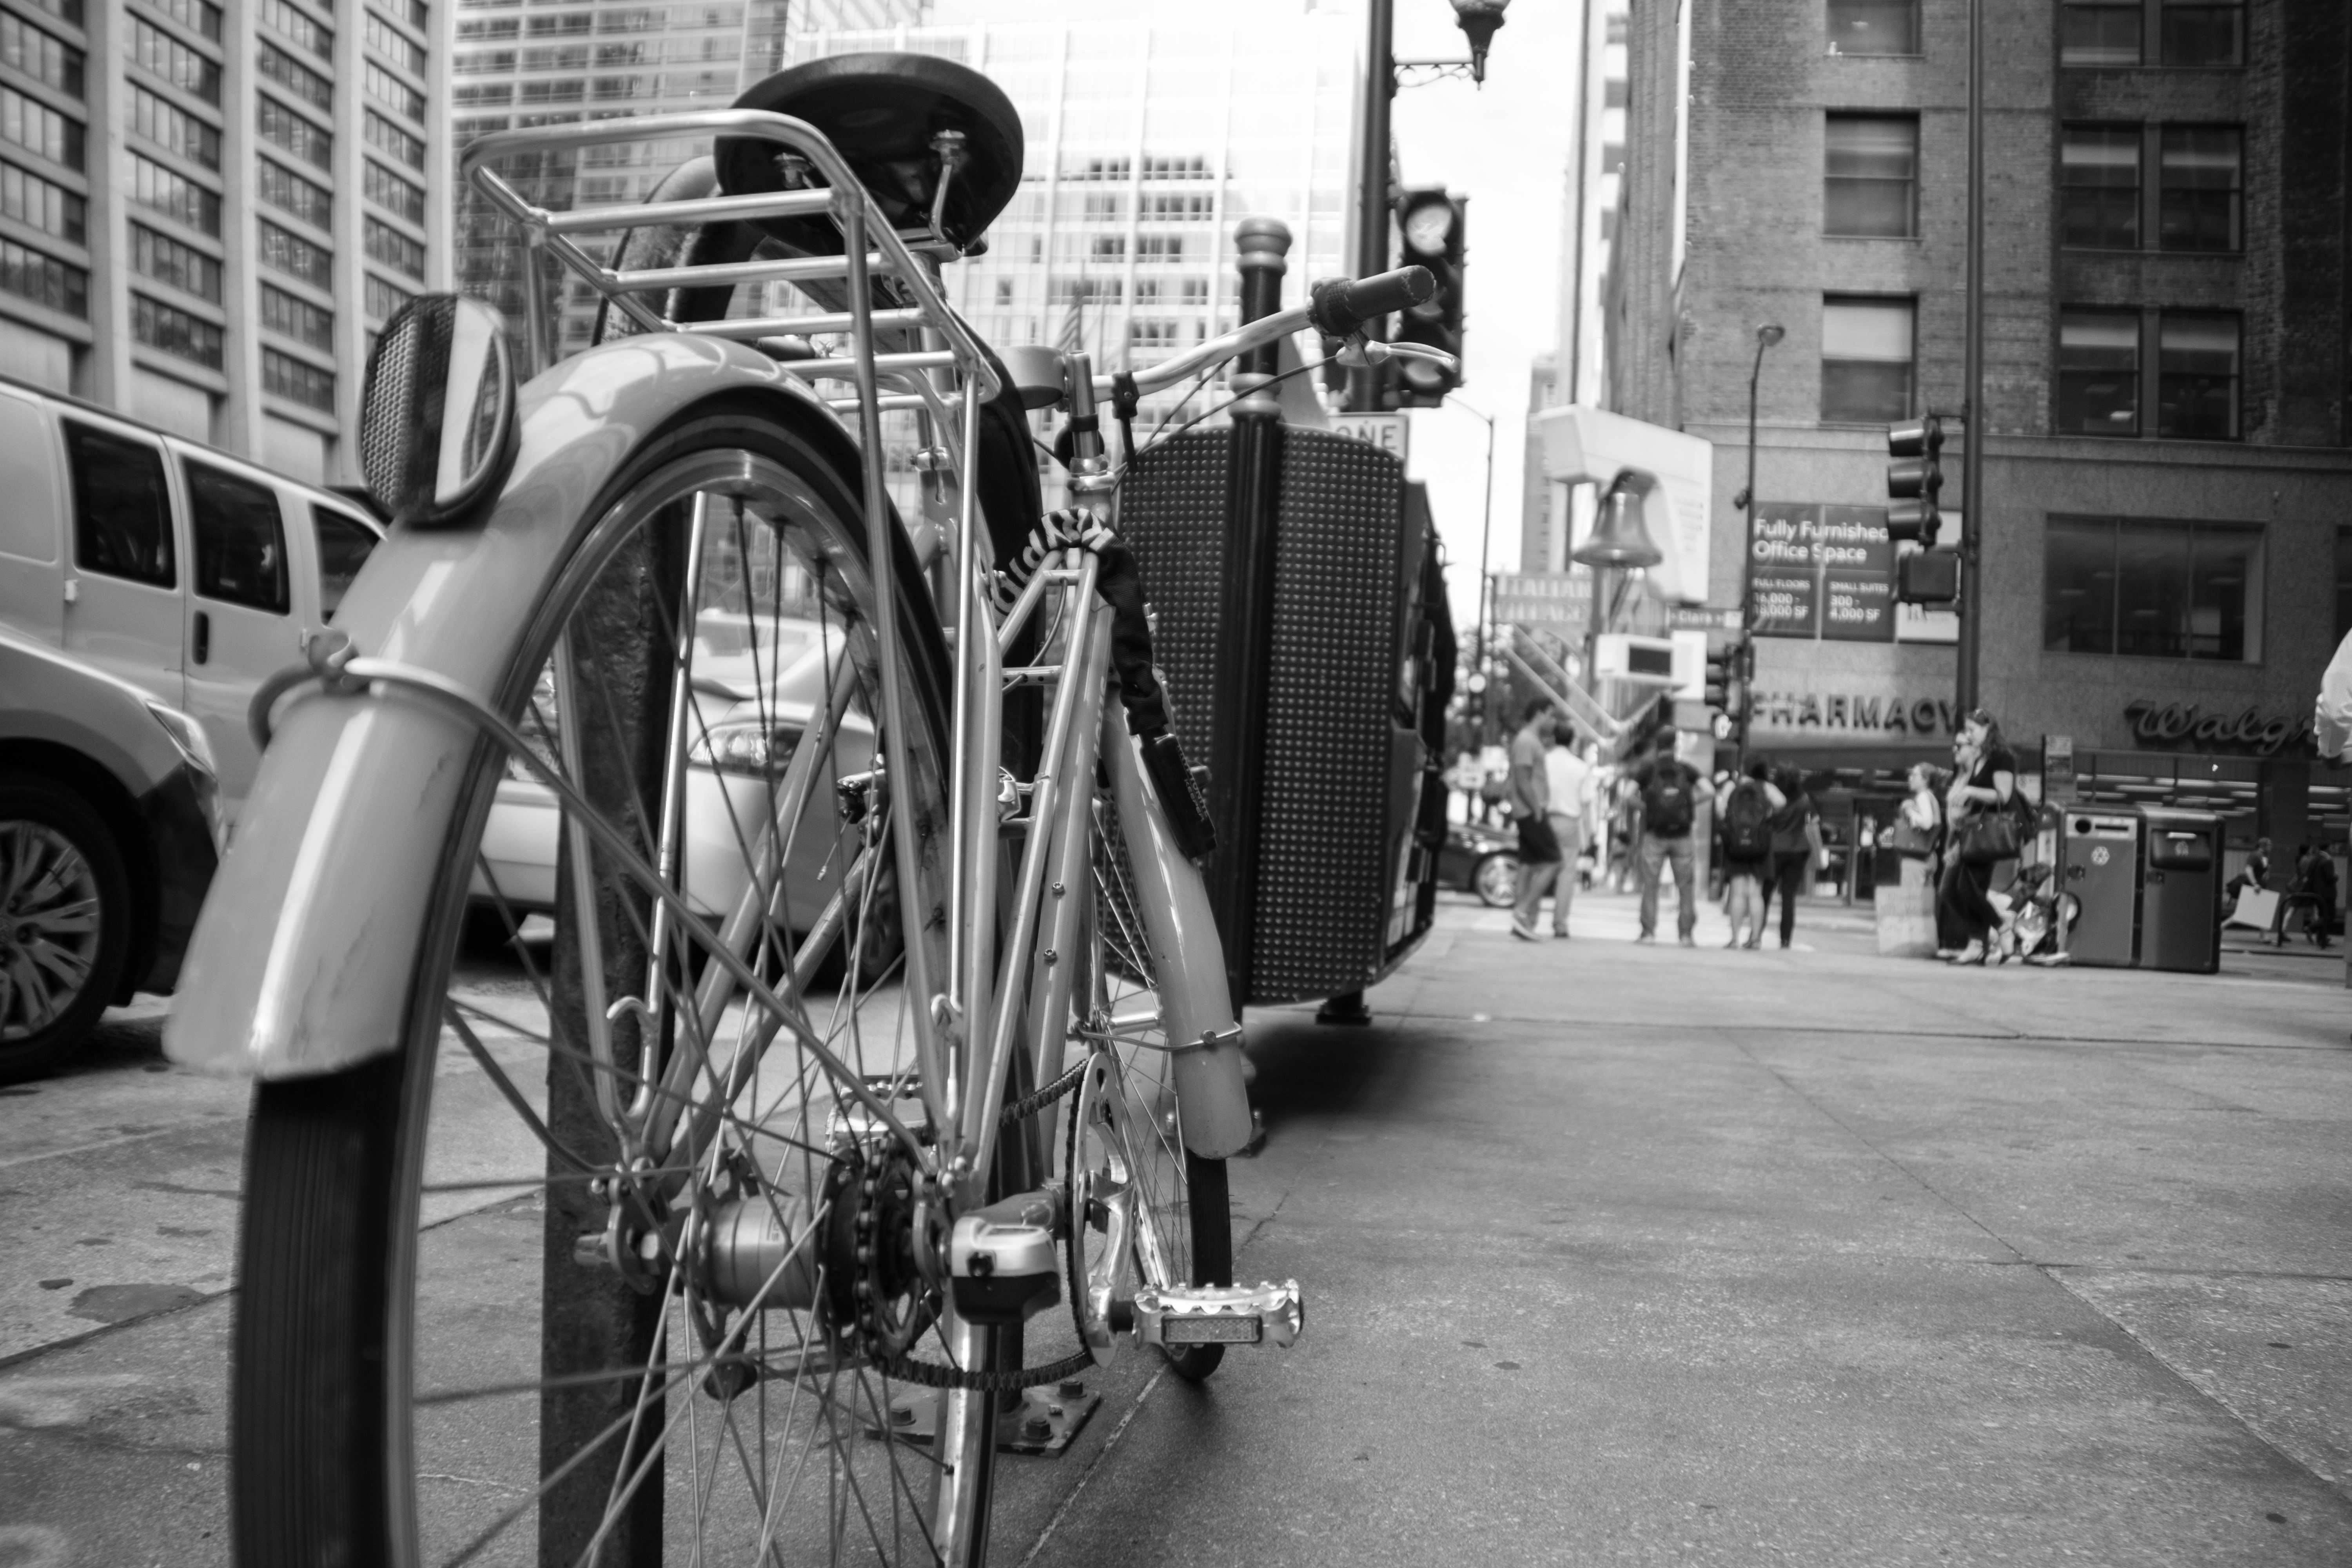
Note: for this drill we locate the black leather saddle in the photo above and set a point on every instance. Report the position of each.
(883, 110)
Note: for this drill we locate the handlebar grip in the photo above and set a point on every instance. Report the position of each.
(1340, 306)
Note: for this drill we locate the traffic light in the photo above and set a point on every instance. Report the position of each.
(1915, 478)
(1720, 687)
(1429, 223)
(1928, 577)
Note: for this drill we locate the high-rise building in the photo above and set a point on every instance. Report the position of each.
(1148, 141)
(206, 210)
(527, 62)
(2166, 559)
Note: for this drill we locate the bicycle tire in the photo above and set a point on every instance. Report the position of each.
(1182, 1193)
(335, 1438)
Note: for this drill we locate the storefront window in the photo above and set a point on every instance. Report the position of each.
(2149, 588)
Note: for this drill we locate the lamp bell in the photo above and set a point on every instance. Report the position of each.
(1618, 537)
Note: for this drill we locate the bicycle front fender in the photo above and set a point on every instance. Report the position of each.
(304, 959)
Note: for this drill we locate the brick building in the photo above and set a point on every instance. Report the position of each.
(2167, 517)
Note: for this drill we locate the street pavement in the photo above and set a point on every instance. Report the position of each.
(1613, 1254)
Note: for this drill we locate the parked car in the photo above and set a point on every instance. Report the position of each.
(193, 575)
(109, 829)
(1480, 860)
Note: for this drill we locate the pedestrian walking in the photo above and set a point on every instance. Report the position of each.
(1570, 777)
(1745, 806)
(1530, 803)
(1983, 832)
(1797, 852)
(1668, 789)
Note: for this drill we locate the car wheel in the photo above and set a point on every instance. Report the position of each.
(1496, 879)
(65, 923)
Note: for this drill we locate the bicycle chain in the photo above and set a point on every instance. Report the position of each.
(872, 1336)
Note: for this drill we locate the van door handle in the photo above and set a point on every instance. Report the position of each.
(203, 637)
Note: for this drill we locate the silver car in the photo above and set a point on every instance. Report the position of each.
(110, 814)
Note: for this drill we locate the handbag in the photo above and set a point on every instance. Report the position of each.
(1988, 837)
(1907, 838)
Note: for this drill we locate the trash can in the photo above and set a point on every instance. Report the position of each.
(2180, 891)
(2098, 866)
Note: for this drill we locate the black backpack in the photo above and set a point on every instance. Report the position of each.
(1747, 822)
(1667, 800)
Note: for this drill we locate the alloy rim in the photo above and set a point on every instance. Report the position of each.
(50, 927)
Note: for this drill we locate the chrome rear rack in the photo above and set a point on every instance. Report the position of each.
(870, 246)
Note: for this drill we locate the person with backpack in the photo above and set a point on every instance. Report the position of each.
(1744, 808)
(1797, 850)
(1669, 794)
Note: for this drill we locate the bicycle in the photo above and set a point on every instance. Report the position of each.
(832, 986)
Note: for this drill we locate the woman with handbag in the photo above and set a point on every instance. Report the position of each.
(1984, 831)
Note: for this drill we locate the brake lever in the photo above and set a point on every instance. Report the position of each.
(1361, 353)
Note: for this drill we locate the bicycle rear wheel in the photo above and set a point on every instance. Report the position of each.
(452, 1345)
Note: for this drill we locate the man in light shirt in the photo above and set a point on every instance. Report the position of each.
(1569, 808)
(1531, 803)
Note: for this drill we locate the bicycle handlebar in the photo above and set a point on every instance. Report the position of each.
(1337, 308)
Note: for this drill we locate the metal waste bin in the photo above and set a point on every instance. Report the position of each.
(2098, 865)
(2180, 891)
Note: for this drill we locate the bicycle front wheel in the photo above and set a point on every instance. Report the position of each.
(617, 1262)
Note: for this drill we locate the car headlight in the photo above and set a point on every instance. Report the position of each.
(187, 735)
(750, 747)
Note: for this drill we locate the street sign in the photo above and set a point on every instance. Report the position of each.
(1702, 617)
(1559, 602)
(1386, 431)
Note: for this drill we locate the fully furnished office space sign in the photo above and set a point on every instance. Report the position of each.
(1821, 571)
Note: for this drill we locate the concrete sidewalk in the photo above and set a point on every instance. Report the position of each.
(1613, 1254)
(1640, 1254)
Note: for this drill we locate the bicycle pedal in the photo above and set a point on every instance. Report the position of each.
(1175, 1316)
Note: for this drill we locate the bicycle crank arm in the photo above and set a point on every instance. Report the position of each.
(1175, 1316)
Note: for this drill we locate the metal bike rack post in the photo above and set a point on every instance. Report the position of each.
(1253, 499)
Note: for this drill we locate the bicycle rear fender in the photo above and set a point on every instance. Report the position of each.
(302, 960)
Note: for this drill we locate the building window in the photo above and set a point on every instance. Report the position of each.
(288, 23)
(284, 129)
(393, 143)
(166, 260)
(284, 251)
(1178, 207)
(174, 129)
(393, 93)
(298, 319)
(37, 127)
(159, 326)
(393, 248)
(1195, 167)
(156, 51)
(2201, 179)
(51, 61)
(1161, 247)
(395, 45)
(497, 27)
(384, 300)
(2106, 34)
(2098, 373)
(1867, 358)
(413, 12)
(1109, 247)
(1870, 176)
(201, 17)
(2151, 589)
(284, 189)
(1106, 207)
(2197, 376)
(38, 203)
(2202, 32)
(282, 376)
(67, 11)
(1102, 169)
(44, 279)
(1151, 334)
(1874, 27)
(296, 78)
(392, 193)
(2098, 181)
(173, 194)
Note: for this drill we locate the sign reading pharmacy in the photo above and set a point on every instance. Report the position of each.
(1819, 570)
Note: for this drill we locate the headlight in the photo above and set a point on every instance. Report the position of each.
(748, 747)
(187, 735)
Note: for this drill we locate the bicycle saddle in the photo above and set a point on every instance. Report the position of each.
(882, 111)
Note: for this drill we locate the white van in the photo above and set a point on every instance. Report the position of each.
(182, 570)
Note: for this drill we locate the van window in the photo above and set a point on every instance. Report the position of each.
(240, 539)
(122, 514)
(344, 546)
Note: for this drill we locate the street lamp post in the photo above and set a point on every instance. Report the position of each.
(1767, 335)
(1485, 545)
